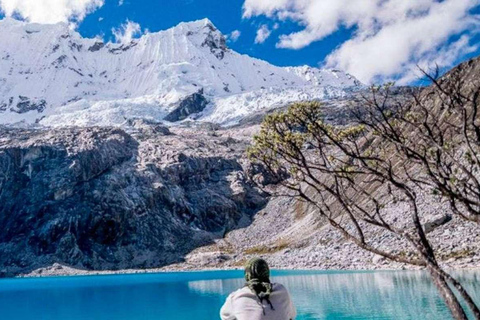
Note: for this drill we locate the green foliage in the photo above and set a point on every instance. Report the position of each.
(283, 136)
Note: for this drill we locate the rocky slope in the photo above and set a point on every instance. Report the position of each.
(101, 198)
(290, 234)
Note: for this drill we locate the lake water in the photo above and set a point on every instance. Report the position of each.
(199, 295)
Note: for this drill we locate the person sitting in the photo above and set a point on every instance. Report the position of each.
(259, 299)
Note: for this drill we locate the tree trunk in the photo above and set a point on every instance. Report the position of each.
(447, 294)
(463, 293)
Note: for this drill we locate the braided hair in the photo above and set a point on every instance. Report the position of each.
(257, 274)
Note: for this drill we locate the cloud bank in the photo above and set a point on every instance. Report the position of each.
(389, 36)
(49, 11)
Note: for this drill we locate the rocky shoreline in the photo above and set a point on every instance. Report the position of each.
(454, 252)
(58, 270)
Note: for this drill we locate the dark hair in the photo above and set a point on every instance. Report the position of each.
(257, 274)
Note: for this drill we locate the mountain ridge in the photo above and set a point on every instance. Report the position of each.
(50, 74)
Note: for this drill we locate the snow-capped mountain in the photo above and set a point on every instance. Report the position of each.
(52, 75)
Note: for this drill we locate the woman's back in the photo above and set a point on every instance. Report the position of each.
(244, 304)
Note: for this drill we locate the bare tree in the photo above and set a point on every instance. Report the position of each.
(352, 177)
(438, 132)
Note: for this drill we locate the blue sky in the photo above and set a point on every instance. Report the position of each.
(375, 40)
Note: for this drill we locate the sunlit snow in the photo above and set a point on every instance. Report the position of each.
(51, 75)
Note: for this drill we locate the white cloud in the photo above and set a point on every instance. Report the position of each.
(262, 34)
(49, 11)
(390, 37)
(120, 2)
(234, 35)
(445, 57)
(267, 7)
(126, 32)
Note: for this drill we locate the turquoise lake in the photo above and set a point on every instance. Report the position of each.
(199, 295)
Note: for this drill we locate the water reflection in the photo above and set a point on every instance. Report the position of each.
(368, 295)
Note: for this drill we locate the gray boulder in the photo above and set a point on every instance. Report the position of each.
(435, 221)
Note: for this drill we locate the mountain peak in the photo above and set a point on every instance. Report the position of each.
(204, 33)
(199, 24)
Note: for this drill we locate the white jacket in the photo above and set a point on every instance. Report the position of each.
(243, 304)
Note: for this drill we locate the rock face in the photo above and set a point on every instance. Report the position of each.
(192, 104)
(102, 198)
(25, 105)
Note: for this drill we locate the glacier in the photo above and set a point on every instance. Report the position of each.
(52, 76)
